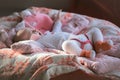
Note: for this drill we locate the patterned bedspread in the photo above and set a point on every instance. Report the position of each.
(46, 65)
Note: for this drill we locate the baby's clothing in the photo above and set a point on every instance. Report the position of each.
(55, 40)
(83, 41)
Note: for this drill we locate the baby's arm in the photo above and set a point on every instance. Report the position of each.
(57, 24)
(23, 34)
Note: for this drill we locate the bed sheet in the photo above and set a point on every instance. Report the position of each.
(46, 65)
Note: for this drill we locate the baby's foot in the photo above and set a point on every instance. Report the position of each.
(88, 53)
(103, 46)
(107, 45)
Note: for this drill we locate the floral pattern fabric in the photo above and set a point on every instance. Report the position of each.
(45, 65)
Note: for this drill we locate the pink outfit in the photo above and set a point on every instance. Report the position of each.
(41, 22)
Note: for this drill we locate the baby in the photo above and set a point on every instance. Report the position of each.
(80, 45)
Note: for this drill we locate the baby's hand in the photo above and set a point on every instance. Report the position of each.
(23, 34)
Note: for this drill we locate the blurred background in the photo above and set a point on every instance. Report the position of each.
(103, 9)
(9, 6)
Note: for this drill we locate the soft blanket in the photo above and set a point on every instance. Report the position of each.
(43, 65)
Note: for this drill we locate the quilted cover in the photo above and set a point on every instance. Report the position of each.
(46, 65)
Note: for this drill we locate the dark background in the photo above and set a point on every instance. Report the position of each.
(9, 6)
(103, 9)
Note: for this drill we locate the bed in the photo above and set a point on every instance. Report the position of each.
(57, 65)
